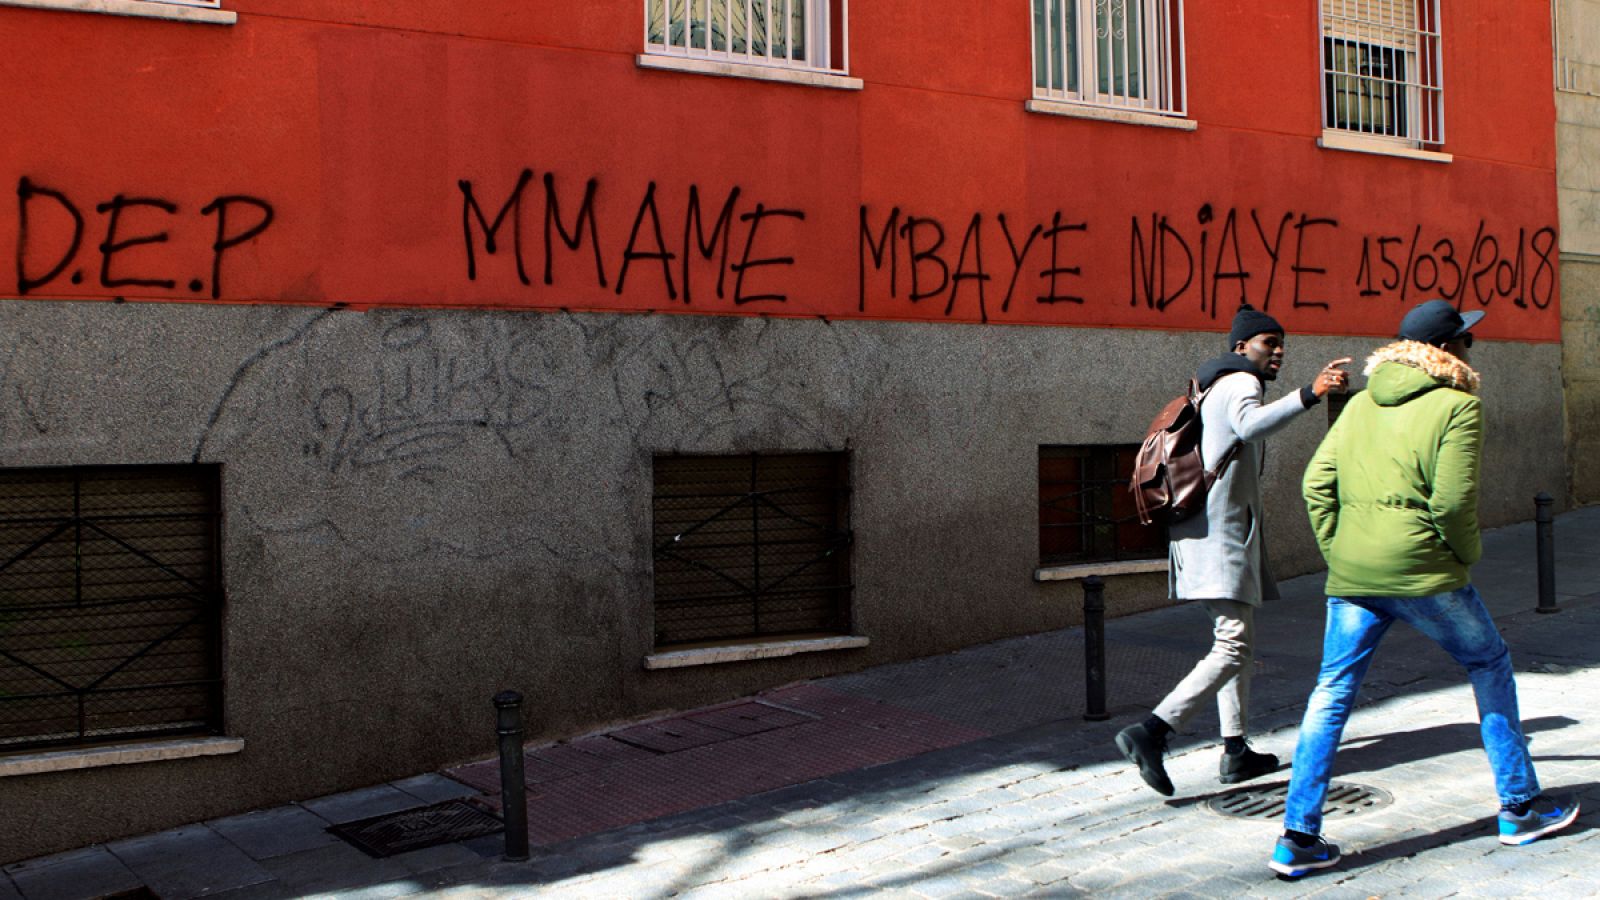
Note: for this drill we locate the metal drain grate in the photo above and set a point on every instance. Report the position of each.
(1267, 802)
(414, 829)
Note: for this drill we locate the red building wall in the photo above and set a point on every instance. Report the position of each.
(358, 126)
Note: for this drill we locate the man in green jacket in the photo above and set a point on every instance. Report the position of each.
(1393, 498)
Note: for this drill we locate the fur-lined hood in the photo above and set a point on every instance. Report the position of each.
(1439, 367)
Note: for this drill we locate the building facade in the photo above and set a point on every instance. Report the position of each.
(364, 359)
(1577, 70)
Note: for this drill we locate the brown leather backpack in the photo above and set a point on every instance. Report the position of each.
(1169, 482)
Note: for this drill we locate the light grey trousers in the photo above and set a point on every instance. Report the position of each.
(1224, 672)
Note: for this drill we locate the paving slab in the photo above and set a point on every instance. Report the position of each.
(279, 831)
(188, 862)
(337, 809)
(74, 875)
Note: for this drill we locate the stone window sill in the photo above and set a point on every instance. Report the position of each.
(1340, 140)
(1110, 114)
(115, 755)
(144, 9)
(1103, 569)
(744, 652)
(745, 70)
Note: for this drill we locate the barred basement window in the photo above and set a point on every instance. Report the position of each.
(751, 546)
(1381, 71)
(1086, 512)
(110, 604)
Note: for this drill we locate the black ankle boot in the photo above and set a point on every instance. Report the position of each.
(1245, 765)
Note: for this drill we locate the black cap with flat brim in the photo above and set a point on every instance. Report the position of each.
(1436, 322)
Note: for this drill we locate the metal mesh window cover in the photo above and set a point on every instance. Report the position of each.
(754, 546)
(1086, 512)
(110, 604)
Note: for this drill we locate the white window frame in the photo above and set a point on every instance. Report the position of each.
(671, 41)
(1415, 92)
(1164, 86)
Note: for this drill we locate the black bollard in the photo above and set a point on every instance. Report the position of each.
(1544, 526)
(513, 791)
(1094, 647)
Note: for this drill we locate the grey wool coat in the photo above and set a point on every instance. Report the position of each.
(1220, 554)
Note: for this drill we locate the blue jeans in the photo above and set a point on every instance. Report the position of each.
(1458, 623)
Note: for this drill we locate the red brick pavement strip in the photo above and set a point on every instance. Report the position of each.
(711, 756)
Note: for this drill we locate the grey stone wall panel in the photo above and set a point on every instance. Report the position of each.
(423, 508)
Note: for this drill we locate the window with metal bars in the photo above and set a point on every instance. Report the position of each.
(791, 34)
(1120, 53)
(1086, 512)
(1381, 70)
(110, 604)
(751, 547)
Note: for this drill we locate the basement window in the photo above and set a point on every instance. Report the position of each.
(1086, 512)
(110, 604)
(751, 547)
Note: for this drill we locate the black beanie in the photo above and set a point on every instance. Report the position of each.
(1248, 323)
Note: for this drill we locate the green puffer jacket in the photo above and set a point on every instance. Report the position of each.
(1393, 490)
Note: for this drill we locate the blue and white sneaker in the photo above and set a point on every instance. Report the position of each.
(1292, 860)
(1545, 815)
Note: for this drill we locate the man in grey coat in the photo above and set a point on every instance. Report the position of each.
(1218, 557)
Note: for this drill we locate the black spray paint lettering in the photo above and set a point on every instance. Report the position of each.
(1017, 256)
(1433, 266)
(111, 246)
(1053, 234)
(629, 254)
(930, 270)
(647, 238)
(117, 241)
(720, 232)
(746, 263)
(226, 241)
(1156, 267)
(1298, 269)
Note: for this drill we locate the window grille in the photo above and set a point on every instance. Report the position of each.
(110, 604)
(1381, 69)
(1086, 512)
(791, 34)
(751, 547)
(1119, 53)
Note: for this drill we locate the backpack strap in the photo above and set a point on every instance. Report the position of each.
(1215, 473)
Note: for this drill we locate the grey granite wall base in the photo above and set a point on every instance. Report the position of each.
(424, 508)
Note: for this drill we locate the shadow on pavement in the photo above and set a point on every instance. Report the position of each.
(1375, 752)
(1480, 829)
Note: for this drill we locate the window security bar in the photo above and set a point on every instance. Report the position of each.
(1126, 54)
(1080, 519)
(1382, 73)
(810, 35)
(750, 547)
(110, 604)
